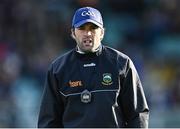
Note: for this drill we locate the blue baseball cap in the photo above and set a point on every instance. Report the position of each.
(85, 15)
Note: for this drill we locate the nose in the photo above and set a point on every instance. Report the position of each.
(88, 33)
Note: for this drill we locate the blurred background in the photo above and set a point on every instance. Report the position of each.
(34, 32)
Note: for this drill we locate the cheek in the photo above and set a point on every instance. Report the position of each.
(77, 33)
(98, 37)
(77, 36)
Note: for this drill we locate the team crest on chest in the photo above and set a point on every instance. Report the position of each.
(107, 79)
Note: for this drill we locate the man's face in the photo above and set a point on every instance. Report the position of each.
(88, 37)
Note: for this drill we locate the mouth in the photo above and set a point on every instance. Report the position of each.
(87, 42)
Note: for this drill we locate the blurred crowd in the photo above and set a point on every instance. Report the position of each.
(34, 32)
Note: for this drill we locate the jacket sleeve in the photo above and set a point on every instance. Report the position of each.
(132, 99)
(51, 108)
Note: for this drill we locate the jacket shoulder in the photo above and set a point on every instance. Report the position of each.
(120, 58)
(61, 61)
(113, 53)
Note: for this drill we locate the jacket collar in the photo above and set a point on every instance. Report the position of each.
(97, 52)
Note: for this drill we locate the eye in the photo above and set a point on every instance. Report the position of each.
(93, 27)
(88, 26)
(81, 28)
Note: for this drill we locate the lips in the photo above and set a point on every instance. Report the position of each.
(87, 42)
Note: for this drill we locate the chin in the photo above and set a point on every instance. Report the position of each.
(88, 50)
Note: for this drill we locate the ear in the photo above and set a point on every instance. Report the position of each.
(73, 33)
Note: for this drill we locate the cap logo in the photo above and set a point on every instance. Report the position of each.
(87, 13)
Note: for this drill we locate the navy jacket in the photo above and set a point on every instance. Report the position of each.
(114, 96)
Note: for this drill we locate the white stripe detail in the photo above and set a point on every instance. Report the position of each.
(114, 114)
(94, 91)
(103, 90)
(70, 94)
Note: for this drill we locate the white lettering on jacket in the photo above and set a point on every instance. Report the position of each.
(89, 65)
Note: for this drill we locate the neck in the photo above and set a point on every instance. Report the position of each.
(83, 52)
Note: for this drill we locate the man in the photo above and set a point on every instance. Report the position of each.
(92, 85)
